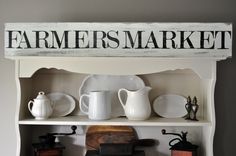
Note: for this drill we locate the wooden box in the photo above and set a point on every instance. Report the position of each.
(183, 153)
(54, 150)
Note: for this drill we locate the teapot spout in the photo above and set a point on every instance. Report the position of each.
(148, 88)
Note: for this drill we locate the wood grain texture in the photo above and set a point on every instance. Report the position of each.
(109, 134)
(183, 153)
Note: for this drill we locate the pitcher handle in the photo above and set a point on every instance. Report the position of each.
(119, 96)
(52, 104)
(82, 103)
(29, 105)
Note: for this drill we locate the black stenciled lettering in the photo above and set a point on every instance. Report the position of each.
(96, 38)
(24, 40)
(223, 38)
(204, 38)
(41, 36)
(11, 38)
(186, 39)
(80, 36)
(151, 40)
(113, 39)
(59, 40)
(128, 37)
(165, 39)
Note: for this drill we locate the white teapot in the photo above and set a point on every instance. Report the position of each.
(41, 107)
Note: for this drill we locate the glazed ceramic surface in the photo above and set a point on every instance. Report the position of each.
(170, 106)
(99, 105)
(41, 107)
(137, 105)
(63, 104)
(113, 84)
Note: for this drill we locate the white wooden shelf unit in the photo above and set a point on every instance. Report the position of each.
(194, 77)
(172, 58)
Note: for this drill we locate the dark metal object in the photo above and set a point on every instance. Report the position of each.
(124, 148)
(144, 142)
(107, 149)
(182, 146)
(73, 128)
(192, 108)
(47, 145)
(49, 138)
(96, 153)
(188, 108)
(195, 107)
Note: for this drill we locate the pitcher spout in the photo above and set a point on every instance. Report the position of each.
(144, 90)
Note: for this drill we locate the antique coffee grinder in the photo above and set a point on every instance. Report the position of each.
(182, 147)
(49, 144)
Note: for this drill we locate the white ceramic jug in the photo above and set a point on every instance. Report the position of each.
(41, 107)
(98, 106)
(137, 106)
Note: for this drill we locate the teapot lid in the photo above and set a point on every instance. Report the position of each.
(41, 96)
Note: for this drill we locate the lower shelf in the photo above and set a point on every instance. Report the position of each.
(83, 120)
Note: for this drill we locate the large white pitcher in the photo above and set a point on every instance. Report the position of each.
(137, 105)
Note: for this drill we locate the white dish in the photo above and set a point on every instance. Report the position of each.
(63, 104)
(170, 106)
(113, 84)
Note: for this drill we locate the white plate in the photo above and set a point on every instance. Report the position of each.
(63, 104)
(113, 84)
(170, 106)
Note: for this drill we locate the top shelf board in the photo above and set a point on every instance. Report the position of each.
(83, 120)
(168, 40)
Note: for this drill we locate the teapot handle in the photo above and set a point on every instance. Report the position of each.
(119, 96)
(82, 103)
(29, 105)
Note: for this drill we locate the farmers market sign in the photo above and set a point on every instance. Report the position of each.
(118, 39)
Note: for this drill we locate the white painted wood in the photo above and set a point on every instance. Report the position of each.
(18, 110)
(115, 66)
(165, 75)
(119, 39)
(83, 120)
(193, 76)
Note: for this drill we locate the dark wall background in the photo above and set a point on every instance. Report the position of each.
(142, 11)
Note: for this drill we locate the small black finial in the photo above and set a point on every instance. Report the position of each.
(163, 131)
